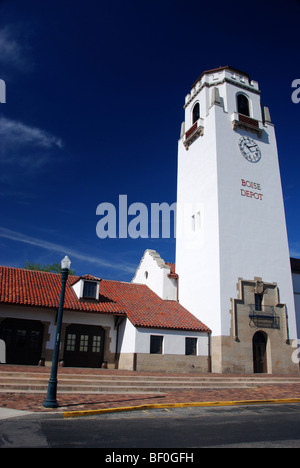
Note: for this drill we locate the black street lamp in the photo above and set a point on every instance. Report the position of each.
(51, 401)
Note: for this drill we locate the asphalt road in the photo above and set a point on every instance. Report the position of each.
(179, 430)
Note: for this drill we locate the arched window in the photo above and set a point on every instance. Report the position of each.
(196, 112)
(243, 105)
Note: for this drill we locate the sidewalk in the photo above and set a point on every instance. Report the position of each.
(32, 402)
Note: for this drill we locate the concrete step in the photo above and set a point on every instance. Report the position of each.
(145, 380)
(16, 380)
(37, 382)
(261, 378)
(102, 389)
(30, 383)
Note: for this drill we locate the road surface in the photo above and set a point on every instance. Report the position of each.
(176, 429)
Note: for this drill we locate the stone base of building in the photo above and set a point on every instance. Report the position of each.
(163, 363)
(236, 357)
(259, 340)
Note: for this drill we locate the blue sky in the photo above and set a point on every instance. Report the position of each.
(94, 102)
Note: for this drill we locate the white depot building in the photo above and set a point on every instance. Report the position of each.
(232, 254)
(235, 269)
(227, 305)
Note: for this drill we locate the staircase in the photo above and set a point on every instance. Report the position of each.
(87, 382)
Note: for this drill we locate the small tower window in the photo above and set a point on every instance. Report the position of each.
(196, 112)
(258, 302)
(243, 105)
(193, 223)
(196, 221)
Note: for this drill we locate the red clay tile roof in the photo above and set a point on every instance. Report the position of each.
(38, 288)
(136, 301)
(146, 309)
(90, 277)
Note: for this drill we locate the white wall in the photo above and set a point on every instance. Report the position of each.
(131, 339)
(253, 237)
(197, 255)
(127, 337)
(153, 272)
(100, 320)
(173, 341)
(46, 315)
(137, 340)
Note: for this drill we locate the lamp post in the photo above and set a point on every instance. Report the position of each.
(51, 401)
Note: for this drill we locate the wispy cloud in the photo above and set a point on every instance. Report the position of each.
(13, 49)
(53, 247)
(25, 147)
(14, 133)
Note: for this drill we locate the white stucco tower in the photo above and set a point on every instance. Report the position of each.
(232, 253)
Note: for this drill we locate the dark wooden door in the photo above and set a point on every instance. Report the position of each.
(23, 339)
(259, 353)
(84, 346)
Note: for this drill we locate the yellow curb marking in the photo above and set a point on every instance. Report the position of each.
(75, 414)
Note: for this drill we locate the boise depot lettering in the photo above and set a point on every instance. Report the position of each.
(250, 193)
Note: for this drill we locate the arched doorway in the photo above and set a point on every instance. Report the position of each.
(259, 342)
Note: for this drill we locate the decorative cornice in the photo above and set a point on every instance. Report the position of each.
(217, 83)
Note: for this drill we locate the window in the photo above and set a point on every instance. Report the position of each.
(89, 290)
(243, 105)
(84, 341)
(71, 340)
(196, 221)
(193, 223)
(191, 346)
(156, 343)
(96, 346)
(196, 112)
(258, 302)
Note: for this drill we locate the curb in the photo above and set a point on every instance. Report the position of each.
(7, 413)
(75, 414)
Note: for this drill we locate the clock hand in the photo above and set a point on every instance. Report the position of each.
(251, 147)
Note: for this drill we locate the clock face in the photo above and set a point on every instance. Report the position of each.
(249, 149)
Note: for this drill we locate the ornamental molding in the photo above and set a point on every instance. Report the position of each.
(220, 82)
(156, 257)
